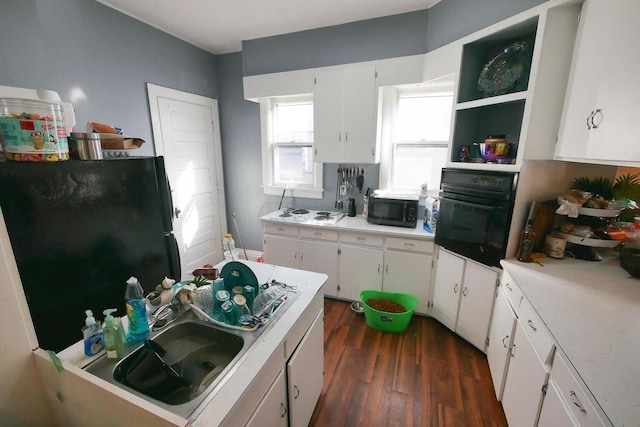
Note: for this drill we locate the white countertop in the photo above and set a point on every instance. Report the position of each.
(307, 283)
(359, 224)
(592, 309)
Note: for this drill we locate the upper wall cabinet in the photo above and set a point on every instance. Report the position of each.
(512, 81)
(344, 114)
(600, 122)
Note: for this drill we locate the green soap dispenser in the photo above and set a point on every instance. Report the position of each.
(112, 337)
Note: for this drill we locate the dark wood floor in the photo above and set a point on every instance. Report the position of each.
(426, 376)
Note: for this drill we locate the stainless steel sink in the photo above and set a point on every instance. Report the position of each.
(181, 364)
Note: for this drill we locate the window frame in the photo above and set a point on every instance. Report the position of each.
(390, 99)
(314, 191)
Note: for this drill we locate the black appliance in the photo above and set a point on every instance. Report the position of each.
(79, 230)
(388, 210)
(475, 213)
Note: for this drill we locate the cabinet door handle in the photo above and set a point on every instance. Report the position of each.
(455, 289)
(575, 401)
(506, 337)
(531, 325)
(302, 257)
(508, 286)
(346, 137)
(386, 268)
(296, 390)
(589, 118)
(283, 410)
(597, 113)
(378, 268)
(339, 136)
(465, 291)
(511, 350)
(295, 255)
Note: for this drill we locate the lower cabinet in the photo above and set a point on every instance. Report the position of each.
(463, 297)
(554, 413)
(526, 378)
(305, 372)
(503, 325)
(272, 411)
(360, 267)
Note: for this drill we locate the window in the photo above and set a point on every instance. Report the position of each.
(418, 123)
(287, 147)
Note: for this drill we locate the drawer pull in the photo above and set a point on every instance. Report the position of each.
(409, 245)
(506, 337)
(280, 229)
(531, 325)
(317, 233)
(575, 401)
(362, 239)
(508, 286)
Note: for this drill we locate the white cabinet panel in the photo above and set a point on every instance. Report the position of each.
(406, 272)
(554, 413)
(476, 303)
(327, 116)
(600, 118)
(525, 379)
(272, 410)
(305, 371)
(321, 257)
(281, 251)
(503, 324)
(360, 268)
(447, 288)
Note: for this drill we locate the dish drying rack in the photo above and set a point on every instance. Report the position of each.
(204, 306)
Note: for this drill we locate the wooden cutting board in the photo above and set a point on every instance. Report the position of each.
(544, 215)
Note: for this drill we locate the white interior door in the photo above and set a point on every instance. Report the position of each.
(186, 132)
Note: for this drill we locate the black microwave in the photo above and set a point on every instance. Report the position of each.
(399, 212)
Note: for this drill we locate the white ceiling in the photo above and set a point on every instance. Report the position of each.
(219, 26)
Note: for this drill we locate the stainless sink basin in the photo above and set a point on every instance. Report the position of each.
(180, 365)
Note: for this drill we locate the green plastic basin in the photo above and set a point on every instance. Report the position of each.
(385, 321)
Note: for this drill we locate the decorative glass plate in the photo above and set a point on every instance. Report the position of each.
(502, 72)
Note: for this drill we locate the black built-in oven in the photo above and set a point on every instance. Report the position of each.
(475, 213)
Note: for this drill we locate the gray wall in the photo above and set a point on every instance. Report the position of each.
(79, 45)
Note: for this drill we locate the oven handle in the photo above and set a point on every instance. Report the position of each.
(475, 201)
(475, 204)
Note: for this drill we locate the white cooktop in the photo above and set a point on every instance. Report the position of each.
(305, 216)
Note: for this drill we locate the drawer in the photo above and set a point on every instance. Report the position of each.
(410, 244)
(315, 233)
(537, 332)
(362, 239)
(512, 291)
(281, 229)
(573, 394)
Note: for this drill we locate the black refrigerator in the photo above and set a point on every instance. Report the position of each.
(79, 230)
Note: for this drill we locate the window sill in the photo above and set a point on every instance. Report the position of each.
(307, 193)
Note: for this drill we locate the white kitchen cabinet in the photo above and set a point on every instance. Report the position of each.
(408, 270)
(463, 297)
(360, 268)
(503, 324)
(446, 291)
(305, 371)
(344, 114)
(279, 250)
(314, 250)
(272, 410)
(554, 413)
(526, 378)
(600, 118)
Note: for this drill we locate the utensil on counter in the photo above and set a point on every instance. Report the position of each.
(283, 191)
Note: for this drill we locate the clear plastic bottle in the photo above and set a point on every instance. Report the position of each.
(136, 311)
(228, 243)
(112, 336)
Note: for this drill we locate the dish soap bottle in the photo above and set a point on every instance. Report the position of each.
(112, 336)
(93, 341)
(136, 311)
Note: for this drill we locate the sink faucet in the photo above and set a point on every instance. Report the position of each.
(158, 318)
